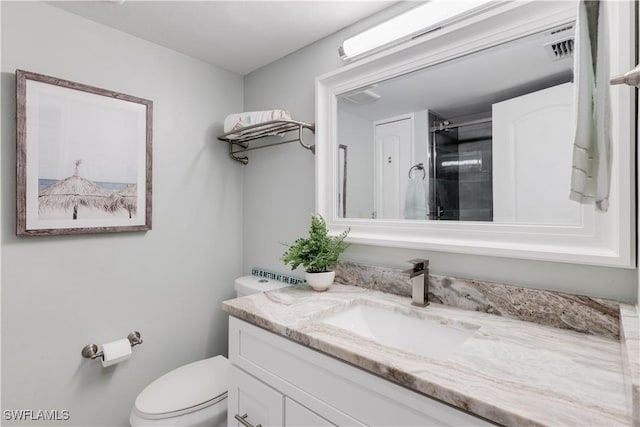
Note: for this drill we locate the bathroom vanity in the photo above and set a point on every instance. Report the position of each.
(307, 388)
(360, 354)
(303, 358)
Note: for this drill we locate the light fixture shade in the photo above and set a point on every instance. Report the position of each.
(420, 20)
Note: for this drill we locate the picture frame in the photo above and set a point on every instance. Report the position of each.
(83, 160)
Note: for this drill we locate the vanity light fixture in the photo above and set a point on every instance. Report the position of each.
(413, 23)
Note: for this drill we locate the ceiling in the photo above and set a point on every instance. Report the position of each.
(240, 36)
(471, 84)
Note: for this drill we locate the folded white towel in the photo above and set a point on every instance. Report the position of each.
(240, 120)
(415, 202)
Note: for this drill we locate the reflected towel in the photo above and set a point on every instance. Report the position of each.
(415, 202)
(591, 168)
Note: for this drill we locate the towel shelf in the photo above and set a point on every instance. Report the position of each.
(239, 140)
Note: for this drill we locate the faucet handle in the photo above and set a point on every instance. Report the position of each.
(419, 267)
(419, 263)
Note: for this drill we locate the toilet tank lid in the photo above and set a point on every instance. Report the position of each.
(185, 387)
(247, 285)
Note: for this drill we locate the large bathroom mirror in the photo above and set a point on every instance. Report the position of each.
(462, 140)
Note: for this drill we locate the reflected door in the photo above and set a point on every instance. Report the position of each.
(393, 147)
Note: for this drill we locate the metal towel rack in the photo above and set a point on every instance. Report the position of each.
(420, 167)
(239, 140)
(631, 78)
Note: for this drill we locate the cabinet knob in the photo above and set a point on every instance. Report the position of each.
(244, 422)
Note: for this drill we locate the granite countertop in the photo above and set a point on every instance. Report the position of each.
(512, 372)
(630, 344)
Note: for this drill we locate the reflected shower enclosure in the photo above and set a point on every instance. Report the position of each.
(461, 170)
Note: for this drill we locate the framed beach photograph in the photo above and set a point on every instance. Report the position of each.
(83, 158)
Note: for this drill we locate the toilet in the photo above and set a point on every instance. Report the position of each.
(193, 395)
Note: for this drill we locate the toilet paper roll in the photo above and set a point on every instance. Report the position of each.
(115, 352)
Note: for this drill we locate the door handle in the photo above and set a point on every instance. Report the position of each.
(244, 422)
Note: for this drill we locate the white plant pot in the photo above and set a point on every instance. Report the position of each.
(320, 281)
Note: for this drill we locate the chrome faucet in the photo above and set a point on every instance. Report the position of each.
(419, 276)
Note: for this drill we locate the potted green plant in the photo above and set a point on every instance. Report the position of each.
(317, 253)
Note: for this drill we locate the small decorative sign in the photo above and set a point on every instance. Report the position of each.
(83, 158)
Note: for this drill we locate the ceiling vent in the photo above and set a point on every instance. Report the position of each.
(560, 49)
(362, 96)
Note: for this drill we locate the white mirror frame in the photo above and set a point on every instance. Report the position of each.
(603, 238)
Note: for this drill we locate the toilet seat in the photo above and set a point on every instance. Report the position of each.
(186, 389)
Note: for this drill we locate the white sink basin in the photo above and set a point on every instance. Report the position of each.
(394, 329)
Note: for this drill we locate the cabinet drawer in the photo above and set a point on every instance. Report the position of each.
(365, 398)
(250, 398)
(296, 415)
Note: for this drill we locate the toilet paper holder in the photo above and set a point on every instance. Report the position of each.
(92, 351)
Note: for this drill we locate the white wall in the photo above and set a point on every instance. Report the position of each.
(279, 188)
(637, 134)
(60, 293)
(357, 134)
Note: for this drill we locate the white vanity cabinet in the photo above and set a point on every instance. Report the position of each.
(258, 404)
(277, 382)
(254, 401)
(297, 415)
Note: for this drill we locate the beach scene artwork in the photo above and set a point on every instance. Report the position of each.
(76, 196)
(87, 159)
